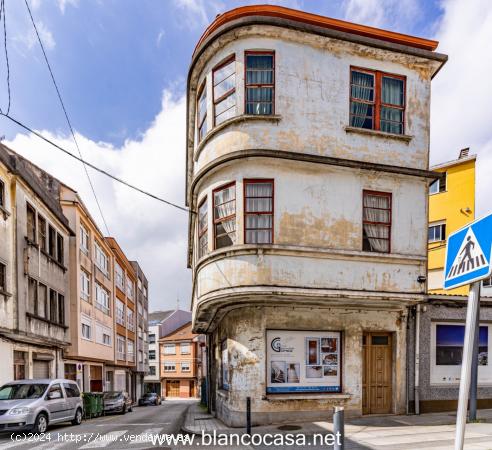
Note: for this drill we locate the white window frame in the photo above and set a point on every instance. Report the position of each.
(184, 364)
(439, 224)
(130, 349)
(84, 238)
(130, 319)
(130, 289)
(87, 322)
(185, 345)
(119, 276)
(120, 345)
(85, 285)
(169, 349)
(102, 259)
(120, 312)
(102, 299)
(169, 366)
(437, 189)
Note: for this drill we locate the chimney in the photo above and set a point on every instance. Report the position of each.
(464, 152)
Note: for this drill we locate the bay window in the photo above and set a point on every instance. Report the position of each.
(224, 90)
(85, 286)
(102, 299)
(377, 101)
(101, 259)
(202, 111)
(120, 312)
(260, 82)
(84, 239)
(224, 200)
(376, 222)
(258, 211)
(119, 276)
(203, 228)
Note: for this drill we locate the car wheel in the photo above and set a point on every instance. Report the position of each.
(40, 424)
(77, 420)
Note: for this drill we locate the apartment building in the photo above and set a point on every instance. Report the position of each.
(161, 323)
(179, 364)
(308, 168)
(125, 322)
(437, 343)
(34, 277)
(90, 358)
(142, 290)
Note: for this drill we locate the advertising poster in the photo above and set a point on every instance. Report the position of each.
(303, 361)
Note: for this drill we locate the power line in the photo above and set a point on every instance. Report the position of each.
(66, 114)
(92, 166)
(3, 16)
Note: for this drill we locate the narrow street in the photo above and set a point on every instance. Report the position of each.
(111, 432)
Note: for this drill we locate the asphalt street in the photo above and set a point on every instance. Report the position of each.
(129, 431)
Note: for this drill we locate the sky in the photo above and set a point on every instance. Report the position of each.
(121, 67)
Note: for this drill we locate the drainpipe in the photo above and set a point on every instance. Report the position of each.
(417, 361)
(407, 363)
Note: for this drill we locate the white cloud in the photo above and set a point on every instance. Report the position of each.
(198, 13)
(29, 39)
(462, 93)
(160, 36)
(62, 4)
(381, 13)
(149, 231)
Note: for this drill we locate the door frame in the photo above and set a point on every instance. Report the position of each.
(368, 334)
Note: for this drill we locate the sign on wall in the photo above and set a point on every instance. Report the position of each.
(303, 361)
(447, 341)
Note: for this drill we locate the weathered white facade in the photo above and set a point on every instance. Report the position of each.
(313, 274)
(34, 327)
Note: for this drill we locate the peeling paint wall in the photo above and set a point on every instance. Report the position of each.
(312, 98)
(245, 328)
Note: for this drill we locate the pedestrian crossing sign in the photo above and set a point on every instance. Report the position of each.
(469, 253)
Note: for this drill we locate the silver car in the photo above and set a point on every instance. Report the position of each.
(34, 404)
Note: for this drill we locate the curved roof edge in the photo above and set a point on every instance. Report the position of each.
(316, 20)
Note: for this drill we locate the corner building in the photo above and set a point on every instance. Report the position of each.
(307, 167)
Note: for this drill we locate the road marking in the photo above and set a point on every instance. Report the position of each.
(104, 440)
(144, 436)
(11, 444)
(131, 423)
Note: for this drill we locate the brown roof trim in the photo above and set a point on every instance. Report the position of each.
(319, 21)
(120, 256)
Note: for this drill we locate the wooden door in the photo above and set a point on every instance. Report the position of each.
(377, 379)
(172, 388)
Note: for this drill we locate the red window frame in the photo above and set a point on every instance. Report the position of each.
(389, 224)
(223, 219)
(377, 89)
(219, 66)
(199, 123)
(203, 231)
(253, 85)
(270, 213)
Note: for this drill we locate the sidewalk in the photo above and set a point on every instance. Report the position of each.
(428, 431)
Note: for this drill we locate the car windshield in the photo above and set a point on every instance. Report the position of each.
(149, 395)
(112, 395)
(22, 391)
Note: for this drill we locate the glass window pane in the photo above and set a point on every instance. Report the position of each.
(362, 86)
(361, 115)
(392, 91)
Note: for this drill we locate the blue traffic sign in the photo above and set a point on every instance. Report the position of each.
(469, 253)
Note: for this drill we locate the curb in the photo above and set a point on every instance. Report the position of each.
(183, 427)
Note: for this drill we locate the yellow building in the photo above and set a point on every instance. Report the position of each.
(451, 206)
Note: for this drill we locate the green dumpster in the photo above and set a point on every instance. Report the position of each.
(98, 397)
(90, 405)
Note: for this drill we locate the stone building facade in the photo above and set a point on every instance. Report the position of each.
(34, 278)
(307, 174)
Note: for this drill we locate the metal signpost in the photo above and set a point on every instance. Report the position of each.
(468, 260)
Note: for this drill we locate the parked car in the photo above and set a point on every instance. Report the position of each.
(151, 398)
(33, 405)
(117, 401)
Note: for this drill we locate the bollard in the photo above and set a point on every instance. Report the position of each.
(248, 415)
(338, 428)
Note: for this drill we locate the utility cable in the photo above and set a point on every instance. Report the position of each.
(66, 115)
(4, 18)
(92, 166)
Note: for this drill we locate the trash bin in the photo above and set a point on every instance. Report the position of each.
(99, 404)
(90, 405)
